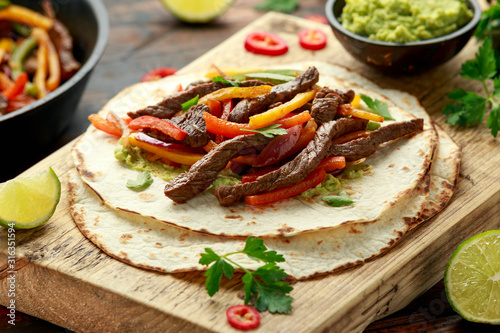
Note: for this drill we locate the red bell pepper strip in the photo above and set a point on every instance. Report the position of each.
(243, 317)
(312, 39)
(18, 87)
(250, 177)
(158, 73)
(313, 179)
(287, 122)
(278, 147)
(105, 125)
(158, 124)
(265, 43)
(332, 163)
(215, 107)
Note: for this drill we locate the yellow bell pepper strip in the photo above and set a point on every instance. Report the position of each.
(41, 70)
(17, 88)
(16, 62)
(346, 110)
(54, 68)
(26, 16)
(5, 47)
(270, 116)
(105, 125)
(356, 101)
(350, 136)
(235, 92)
(313, 179)
(166, 127)
(214, 72)
(166, 150)
(211, 145)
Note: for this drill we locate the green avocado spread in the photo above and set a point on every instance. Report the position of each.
(404, 21)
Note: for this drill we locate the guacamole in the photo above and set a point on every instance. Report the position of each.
(404, 21)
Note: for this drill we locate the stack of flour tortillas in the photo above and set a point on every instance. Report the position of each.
(413, 178)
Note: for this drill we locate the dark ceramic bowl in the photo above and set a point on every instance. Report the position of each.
(401, 57)
(29, 129)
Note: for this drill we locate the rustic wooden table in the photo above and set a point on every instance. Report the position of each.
(143, 36)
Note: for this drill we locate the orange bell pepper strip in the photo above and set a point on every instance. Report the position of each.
(235, 92)
(158, 124)
(26, 16)
(18, 87)
(215, 107)
(350, 136)
(104, 125)
(5, 82)
(53, 65)
(211, 145)
(294, 120)
(270, 116)
(313, 179)
(225, 128)
(332, 163)
(346, 110)
(161, 149)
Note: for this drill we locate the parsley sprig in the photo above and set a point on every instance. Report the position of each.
(269, 131)
(470, 108)
(232, 83)
(265, 285)
(142, 181)
(377, 107)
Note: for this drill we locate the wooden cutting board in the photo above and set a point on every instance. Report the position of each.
(63, 278)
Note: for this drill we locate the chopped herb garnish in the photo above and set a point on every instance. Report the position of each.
(377, 107)
(264, 285)
(223, 80)
(341, 199)
(190, 103)
(4, 4)
(286, 6)
(268, 131)
(143, 180)
(470, 107)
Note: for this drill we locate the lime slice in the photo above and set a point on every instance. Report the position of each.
(472, 278)
(197, 11)
(28, 202)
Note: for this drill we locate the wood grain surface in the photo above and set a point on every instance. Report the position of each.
(63, 278)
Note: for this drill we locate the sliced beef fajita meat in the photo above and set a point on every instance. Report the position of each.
(279, 93)
(363, 147)
(326, 101)
(167, 108)
(202, 174)
(297, 169)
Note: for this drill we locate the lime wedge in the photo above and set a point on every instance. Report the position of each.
(472, 278)
(28, 202)
(197, 11)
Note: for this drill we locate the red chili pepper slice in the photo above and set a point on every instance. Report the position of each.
(313, 179)
(243, 317)
(158, 73)
(266, 43)
(312, 39)
(158, 124)
(18, 87)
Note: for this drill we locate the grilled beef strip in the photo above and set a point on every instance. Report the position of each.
(363, 147)
(202, 174)
(326, 101)
(297, 169)
(279, 93)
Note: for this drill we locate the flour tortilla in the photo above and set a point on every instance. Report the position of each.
(147, 243)
(397, 168)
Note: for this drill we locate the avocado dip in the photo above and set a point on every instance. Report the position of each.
(403, 21)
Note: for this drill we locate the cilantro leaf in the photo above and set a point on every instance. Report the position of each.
(190, 103)
(488, 22)
(286, 6)
(469, 110)
(377, 107)
(142, 181)
(494, 119)
(221, 79)
(266, 284)
(483, 66)
(338, 200)
(268, 131)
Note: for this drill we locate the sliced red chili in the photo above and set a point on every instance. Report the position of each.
(158, 73)
(158, 124)
(266, 43)
(312, 39)
(243, 317)
(313, 179)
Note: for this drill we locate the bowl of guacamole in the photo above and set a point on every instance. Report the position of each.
(403, 35)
